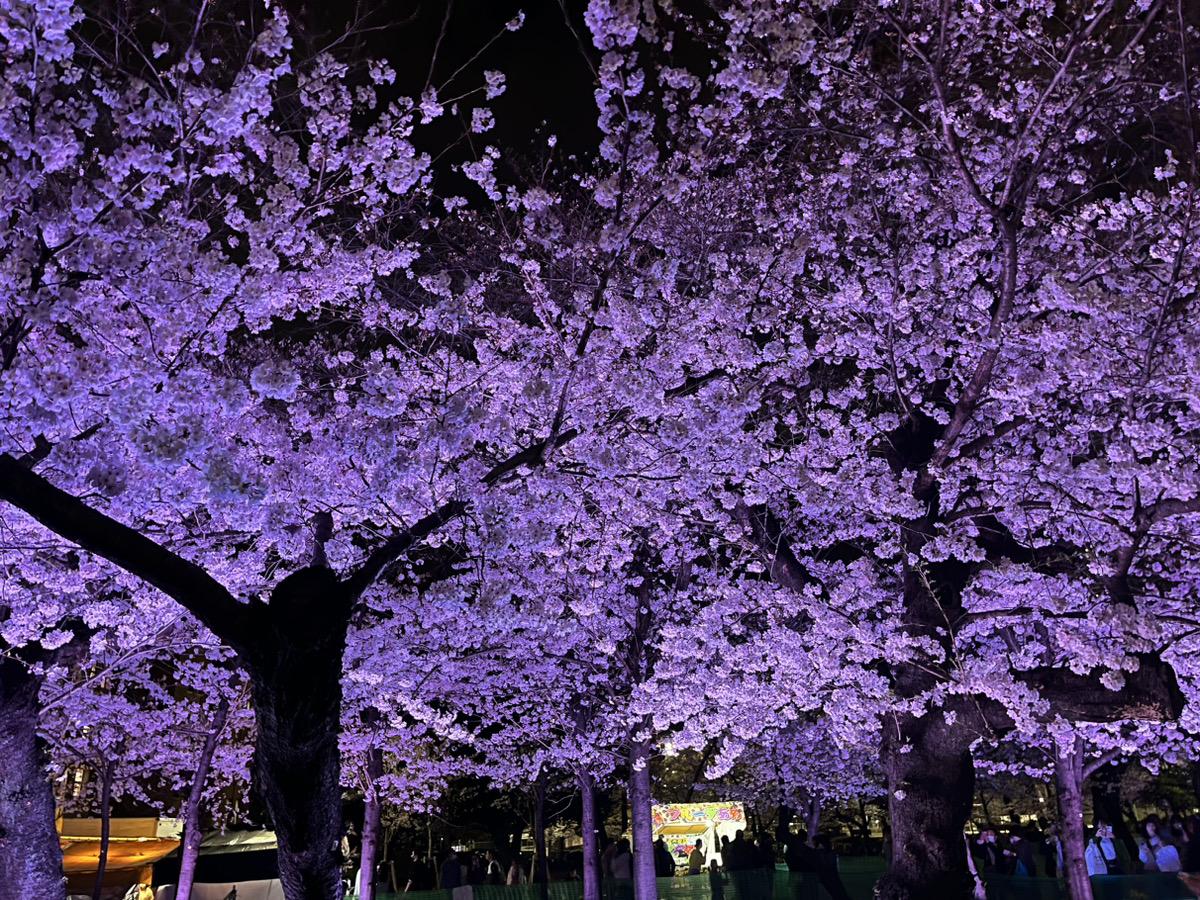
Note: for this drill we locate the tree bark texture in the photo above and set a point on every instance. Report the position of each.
(1068, 778)
(30, 853)
(645, 885)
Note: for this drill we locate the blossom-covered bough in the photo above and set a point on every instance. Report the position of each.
(848, 395)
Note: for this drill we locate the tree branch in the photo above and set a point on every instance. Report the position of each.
(402, 541)
(782, 565)
(185, 582)
(399, 544)
(1100, 762)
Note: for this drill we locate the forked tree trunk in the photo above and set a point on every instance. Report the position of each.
(106, 777)
(591, 837)
(1068, 779)
(645, 885)
(295, 670)
(372, 815)
(192, 835)
(30, 853)
(931, 784)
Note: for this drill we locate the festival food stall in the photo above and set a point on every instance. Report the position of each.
(682, 824)
(134, 845)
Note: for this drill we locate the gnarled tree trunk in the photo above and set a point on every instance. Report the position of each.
(30, 853)
(927, 759)
(645, 885)
(931, 785)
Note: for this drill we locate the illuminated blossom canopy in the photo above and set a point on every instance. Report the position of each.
(834, 417)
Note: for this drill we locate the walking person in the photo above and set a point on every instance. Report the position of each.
(516, 873)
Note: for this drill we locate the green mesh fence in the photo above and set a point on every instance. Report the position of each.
(858, 876)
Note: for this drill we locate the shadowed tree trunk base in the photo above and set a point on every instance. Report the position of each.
(591, 838)
(645, 884)
(295, 669)
(931, 786)
(372, 817)
(30, 855)
(1068, 778)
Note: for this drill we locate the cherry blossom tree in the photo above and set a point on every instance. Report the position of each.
(852, 383)
(967, 358)
(803, 768)
(203, 211)
(163, 723)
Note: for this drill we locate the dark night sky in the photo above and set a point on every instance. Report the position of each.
(548, 78)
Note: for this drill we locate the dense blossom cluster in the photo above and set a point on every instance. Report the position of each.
(838, 419)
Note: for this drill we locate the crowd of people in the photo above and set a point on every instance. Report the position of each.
(742, 861)
(737, 854)
(1159, 846)
(750, 863)
(455, 869)
(1170, 846)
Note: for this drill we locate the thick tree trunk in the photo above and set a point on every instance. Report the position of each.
(931, 784)
(1068, 778)
(106, 777)
(192, 835)
(645, 885)
(541, 865)
(297, 770)
(30, 854)
(372, 815)
(591, 837)
(927, 759)
(295, 669)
